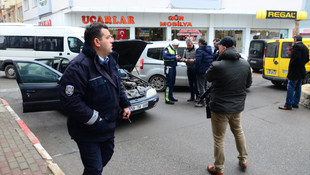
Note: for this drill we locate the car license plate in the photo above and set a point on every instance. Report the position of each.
(252, 61)
(139, 106)
(271, 72)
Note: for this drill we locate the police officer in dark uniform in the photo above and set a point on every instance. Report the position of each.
(91, 94)
(170, 57)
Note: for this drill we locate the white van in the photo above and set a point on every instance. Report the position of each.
(28, 42)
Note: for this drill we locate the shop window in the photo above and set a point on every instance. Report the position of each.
(120, 33)
(266, 34)
(236, 34)
(194, 34)
(151, 34)
(49, 44)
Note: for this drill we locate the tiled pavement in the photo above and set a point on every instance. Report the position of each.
(20, 151)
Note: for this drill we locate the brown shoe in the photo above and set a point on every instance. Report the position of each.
(285, 108)
(243, 166)
(212, 170)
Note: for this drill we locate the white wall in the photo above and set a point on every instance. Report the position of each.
(31, 15)
(123, 3)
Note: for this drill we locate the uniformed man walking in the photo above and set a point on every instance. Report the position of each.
(91, 95)
(170, 57)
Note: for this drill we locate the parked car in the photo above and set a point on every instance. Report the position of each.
(38, 80)
(151, 65)
(277, 60)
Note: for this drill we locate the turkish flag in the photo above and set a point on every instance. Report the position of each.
(121, 34)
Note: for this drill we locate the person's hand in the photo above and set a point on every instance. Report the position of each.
(191, 60)
(126, 113)
(178, 57)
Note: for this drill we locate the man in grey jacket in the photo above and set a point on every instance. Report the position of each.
(230, 77)
(189, 57)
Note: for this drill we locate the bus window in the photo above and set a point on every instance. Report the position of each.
(2, 42)
(272, 50)
(49, 44)
(25, 42)
(286, 49)
(74, 44)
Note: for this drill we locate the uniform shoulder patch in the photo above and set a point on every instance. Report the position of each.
(166, 51)
(69, 90)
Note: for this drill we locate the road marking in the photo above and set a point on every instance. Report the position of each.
(9, 90)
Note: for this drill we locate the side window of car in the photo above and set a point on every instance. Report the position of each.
(3, 40)
(25, 42)
(181, 51)
(155, 53)
(49, 44)
(74, 44)
(36, 73)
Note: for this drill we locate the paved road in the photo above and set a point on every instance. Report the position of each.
(177, 140)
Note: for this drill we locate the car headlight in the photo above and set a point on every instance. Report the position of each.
(151, 92)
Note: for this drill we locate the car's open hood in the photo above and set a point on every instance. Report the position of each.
(129, 52)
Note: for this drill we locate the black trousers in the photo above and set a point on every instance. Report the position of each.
(95, 155)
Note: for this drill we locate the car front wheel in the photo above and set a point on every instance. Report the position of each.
(159, 82)
(9, 71)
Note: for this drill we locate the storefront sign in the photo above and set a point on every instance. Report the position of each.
(108, 19)
(45, 23)
(304, 31)
(121, 34)
(176, 21)
(273, 14)
(144, 33)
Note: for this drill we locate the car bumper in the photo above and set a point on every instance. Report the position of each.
(278, 79)
(143, 104)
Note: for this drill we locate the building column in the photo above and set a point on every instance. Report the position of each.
(168, 34)
(211, 30)
(247, 41)
(132, 33)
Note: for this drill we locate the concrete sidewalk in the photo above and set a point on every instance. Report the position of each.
(20, 151)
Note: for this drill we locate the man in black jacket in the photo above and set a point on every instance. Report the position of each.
(91, 94)
(230, 77)
(296, 73)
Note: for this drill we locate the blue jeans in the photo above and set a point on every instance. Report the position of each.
(293, 93)
(95, 155)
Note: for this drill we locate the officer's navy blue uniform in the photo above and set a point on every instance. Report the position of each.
(89, 90)
(170, 61)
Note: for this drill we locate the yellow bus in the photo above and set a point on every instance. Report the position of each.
(277, 59)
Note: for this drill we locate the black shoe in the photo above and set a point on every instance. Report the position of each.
(170, 102)
(295, 106)
(191, 99)
(174, 100)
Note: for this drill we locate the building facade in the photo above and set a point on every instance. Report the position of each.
(11, 11)
(168, 19)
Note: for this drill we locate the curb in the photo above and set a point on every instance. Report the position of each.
(35, 141)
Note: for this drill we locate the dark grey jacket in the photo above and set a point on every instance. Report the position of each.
(230, 77)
